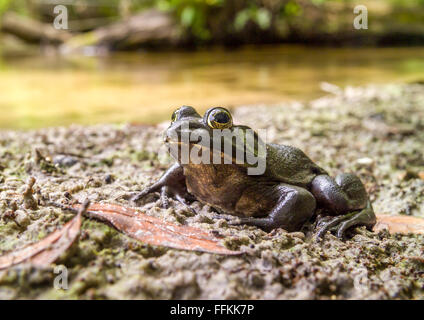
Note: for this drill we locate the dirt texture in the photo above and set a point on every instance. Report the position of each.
(376, 132)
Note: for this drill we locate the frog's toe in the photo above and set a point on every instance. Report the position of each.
(167, 192)
(164, 197)
(137, 196)
(341, 224)
(327, 224)
(181, 199)
(263, 223)
(322, 220)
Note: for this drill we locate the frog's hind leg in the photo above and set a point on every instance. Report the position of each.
(346, 199)
(294, 207)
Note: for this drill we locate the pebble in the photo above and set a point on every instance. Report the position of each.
(365, 161)
(21, 218)
(64, 161)
(108, 179)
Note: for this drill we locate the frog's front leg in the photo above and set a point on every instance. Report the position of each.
(346, 199)
(171, 183)
(294, 207)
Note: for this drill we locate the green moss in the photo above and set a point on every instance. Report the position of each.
(235, 243)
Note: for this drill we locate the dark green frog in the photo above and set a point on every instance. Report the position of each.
(286, 193)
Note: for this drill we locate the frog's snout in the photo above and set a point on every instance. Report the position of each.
(181, 130)
(171, 135)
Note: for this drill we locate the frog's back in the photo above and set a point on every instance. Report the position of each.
(291, 165)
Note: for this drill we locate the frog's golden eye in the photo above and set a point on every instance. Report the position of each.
(174, 115)
(220, 118)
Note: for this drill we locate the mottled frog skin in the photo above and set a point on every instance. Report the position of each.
(287, 194)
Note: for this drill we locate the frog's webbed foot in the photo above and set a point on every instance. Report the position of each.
(171, 184)
(346, 200)
(340, 224)
(166, 192)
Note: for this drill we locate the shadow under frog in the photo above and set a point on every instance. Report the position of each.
(286, 194)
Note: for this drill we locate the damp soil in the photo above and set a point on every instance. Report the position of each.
(376, 132)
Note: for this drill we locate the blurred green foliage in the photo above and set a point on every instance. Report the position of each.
(261, 16)
(206, 19)
(192, 14)
(20, 6)
(195, 15)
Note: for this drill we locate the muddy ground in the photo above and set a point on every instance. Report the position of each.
(376, 132)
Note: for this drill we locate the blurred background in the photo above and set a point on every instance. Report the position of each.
(136, 61)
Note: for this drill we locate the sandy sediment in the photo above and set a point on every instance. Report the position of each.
(376, 132)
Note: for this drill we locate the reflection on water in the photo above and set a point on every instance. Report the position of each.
(146, 87)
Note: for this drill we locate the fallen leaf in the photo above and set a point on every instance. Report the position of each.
(400, 224)
(416, 259)
(47, 250)
(156, 231)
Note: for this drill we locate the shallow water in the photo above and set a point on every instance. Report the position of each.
(38, 91)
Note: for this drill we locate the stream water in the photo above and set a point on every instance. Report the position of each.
(38, 91)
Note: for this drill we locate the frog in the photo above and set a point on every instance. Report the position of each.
(290, 191)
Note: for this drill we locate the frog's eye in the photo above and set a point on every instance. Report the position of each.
(220, 118)
(174, 115)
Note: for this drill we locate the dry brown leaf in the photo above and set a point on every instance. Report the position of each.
(156, 231)
(416, 259)
(400, 224)
(47, 250)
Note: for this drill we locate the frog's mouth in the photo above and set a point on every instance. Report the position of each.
(181, 151)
